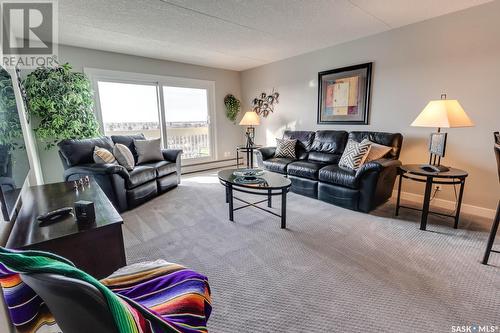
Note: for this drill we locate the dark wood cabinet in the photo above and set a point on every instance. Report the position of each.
(96, 248)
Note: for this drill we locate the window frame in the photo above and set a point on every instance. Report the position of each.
(95, 75)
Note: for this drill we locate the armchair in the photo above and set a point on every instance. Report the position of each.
(125, 189)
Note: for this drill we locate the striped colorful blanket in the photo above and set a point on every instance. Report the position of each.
(149, 297)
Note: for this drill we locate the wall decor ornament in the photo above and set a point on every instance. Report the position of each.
(264, 104)
(233, 106)
(344, 95)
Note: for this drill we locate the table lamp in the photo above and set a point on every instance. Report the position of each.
(446, 113)
(250, 119)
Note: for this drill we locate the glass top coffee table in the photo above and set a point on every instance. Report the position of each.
(267, 184)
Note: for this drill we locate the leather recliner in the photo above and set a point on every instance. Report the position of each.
(125, 189)
(315, 172)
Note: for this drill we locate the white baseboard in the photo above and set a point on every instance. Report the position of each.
(447, 204)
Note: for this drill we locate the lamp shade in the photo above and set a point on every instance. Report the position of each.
(250, 119)
(445, 113)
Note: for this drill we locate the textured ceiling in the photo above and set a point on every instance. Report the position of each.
(235, 34)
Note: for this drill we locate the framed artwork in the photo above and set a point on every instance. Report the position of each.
(437, 144)
(344, 95)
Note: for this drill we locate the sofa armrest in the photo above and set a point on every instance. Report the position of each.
(267, 152)
(96, 169)
(171, 155)
(263, 154)
(110, 177)
(377, 166)
(174, 156)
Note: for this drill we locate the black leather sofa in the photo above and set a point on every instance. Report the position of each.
(316, 173)
(125, 189)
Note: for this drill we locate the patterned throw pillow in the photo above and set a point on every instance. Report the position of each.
(376, 151)
(124, 156)
(354, 154)
(103, 156)
(285, 148)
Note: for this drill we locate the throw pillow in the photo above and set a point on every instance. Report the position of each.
(103, 156)
(376, 151)
(148, 150)
(354, 154)
(124, 156)
(285, 148)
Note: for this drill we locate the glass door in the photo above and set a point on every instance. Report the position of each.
(187, 121)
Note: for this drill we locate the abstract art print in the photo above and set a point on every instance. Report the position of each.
(344, 95)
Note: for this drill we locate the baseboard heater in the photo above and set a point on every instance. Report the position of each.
(211, 165)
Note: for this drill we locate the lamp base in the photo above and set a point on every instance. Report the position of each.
(434, 168)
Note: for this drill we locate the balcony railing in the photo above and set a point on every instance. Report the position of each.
(192, 138)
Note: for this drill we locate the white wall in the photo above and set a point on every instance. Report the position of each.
(226, 81)
(458, 54)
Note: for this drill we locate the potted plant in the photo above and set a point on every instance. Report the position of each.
(61, 104)
(11, 133)
(233, 106)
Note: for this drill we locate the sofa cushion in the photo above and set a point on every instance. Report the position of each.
(327, 158)
(394, 140)
(327, 146)
(332, 142)
(103, 156)
(81, 151)
(334, 174)
(355, 154)
(304, 169)
(162, 168)
(124, 156)
(148, 150)
(277, 164)
(304, 142)
(140, 175)
(376, 151)
(286, 148)
(128, 140)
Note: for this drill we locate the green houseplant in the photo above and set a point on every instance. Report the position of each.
(10, 126)
(61, 103)
(233, 106)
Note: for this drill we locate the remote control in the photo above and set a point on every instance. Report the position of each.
(54, 215)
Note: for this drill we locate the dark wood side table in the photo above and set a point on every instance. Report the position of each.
(96, 248)
(450, 177)
(249, 154)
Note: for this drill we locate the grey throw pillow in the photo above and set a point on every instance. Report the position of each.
(103, 156)
(148, 150)
(285, 148)
(124, 156)
(354, 154)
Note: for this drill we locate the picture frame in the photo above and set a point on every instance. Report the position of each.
(344, 95)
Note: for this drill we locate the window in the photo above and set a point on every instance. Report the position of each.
(129, 109)
(186, 115)
(176, 109)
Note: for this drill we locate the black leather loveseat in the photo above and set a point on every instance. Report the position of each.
(316, 173)
(125, 189)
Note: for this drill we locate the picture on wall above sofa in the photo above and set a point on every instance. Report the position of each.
(344, 95)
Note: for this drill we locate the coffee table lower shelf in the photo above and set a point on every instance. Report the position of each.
(269, 193)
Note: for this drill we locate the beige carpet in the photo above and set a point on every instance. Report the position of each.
(332, 270)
